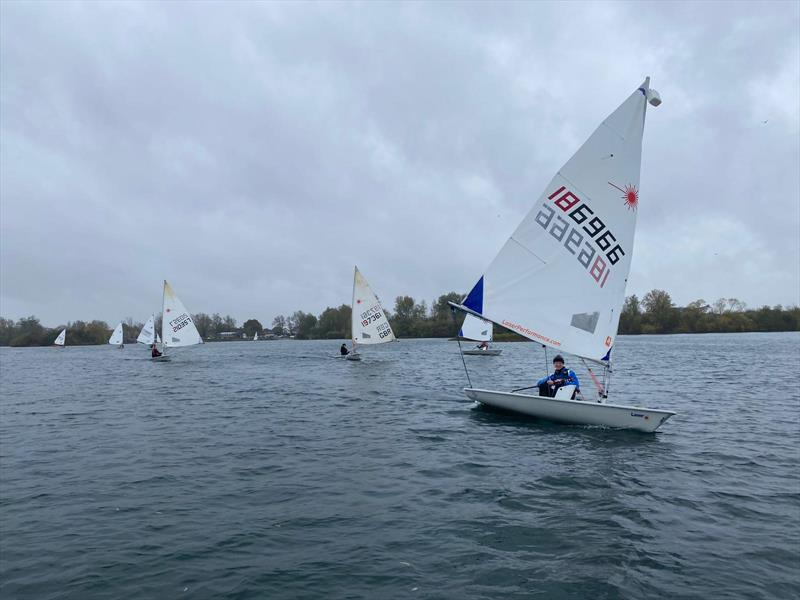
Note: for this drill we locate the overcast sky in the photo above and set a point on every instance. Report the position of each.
(251, 154)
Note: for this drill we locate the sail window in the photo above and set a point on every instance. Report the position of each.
(586, 321)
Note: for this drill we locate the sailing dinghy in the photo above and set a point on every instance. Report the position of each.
(369, 322)
(560, 278)
(478, 330)
(177, 326)
(148, 335)
(116, 338)
(255, 336)
(61, 339)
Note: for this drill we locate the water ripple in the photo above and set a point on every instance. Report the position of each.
(271, 469)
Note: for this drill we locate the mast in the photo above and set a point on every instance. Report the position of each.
(353, 311)
(163, 337)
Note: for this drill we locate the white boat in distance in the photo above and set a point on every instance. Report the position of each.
(116, 338)
(560, 278)
(61, 340)
(148, 335)
(478, 330)
(369, 323)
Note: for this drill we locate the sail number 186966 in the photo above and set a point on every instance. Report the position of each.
(592, 233)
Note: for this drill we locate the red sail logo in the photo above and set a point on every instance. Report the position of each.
(630, 195)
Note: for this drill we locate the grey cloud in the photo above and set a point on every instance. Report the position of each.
(252, 153)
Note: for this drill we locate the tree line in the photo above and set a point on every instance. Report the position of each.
(657, 313)
(409, 319)
(29, 331)
(654, 313)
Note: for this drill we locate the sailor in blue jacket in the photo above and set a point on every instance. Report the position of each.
(560, 377)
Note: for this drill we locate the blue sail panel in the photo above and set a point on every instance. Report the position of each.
(474, 300)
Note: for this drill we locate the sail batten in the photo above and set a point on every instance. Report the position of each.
(560, 278)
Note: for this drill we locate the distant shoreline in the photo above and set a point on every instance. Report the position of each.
(656, 314)
(504, 338)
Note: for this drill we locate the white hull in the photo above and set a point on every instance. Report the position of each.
(353, 356)
(573, 411)
(481, 352)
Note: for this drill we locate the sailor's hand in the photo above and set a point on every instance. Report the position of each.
(548, 382)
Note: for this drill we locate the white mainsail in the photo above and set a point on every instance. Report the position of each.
(116, 336)
(148, 334)
(369, 325)
(476, 329)
(176, 322)
(560, 278)
(255, 336)
(61, 339)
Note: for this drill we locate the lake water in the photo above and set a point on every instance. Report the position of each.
(274, 470)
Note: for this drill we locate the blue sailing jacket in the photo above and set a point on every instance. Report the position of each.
(565, 374)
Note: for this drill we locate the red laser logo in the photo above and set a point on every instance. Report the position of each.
(630, 194)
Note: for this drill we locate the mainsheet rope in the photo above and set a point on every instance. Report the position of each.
(458, 339)
(603, 393)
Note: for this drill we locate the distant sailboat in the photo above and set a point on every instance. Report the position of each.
(560, 279)
(369, 322)
(61, 339)
(116, 338)
(478, 330)
(148, 335)
(177, 326)
(255, 336)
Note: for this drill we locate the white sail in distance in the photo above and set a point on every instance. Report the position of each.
(255, 336)
(61, 339)
(148, 333)
(560, 278)
(116, 336)
(369, 324)
(177, 326)
(476, 329)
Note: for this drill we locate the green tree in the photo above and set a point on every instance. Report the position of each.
(279, 325)
(441, 309)
(204, 325)
(727, 305)
(630, 319)
(29, 332)
(305, 324)
(217, 325)
(6, 331)
(406, 314)
(334, 323)
(660, 313)
(251, 327)
(444, 322)
(693, 317)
